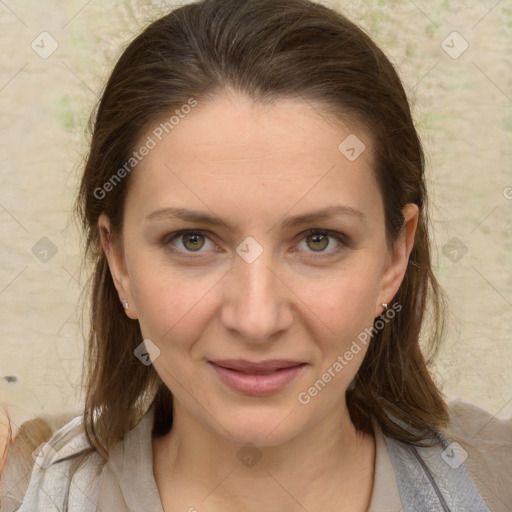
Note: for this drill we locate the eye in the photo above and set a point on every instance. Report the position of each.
(192, 241)
(319, 240)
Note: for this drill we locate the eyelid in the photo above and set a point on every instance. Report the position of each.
(339, 237)
(167, 239)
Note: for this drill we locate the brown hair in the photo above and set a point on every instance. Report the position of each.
(265, 49)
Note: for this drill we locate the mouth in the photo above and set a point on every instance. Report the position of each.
(257, 378)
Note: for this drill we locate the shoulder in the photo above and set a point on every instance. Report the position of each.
(484, 445)
(478, 428)
(67, 441)
(56, 468)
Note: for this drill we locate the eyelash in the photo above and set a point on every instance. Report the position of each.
(341, 238)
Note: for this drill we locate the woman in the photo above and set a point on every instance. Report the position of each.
(231, 367)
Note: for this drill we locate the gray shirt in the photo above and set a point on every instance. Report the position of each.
(126, 483)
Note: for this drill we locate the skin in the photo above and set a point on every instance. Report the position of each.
(254, 166)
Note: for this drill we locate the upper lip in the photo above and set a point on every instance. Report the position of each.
(243, 365)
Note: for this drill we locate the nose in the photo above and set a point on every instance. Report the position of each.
(257, 304)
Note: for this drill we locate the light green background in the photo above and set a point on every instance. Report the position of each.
(462, 108)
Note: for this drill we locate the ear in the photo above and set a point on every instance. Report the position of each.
(117, 265)
(398, 257)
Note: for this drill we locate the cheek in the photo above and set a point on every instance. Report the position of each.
(346, 301)
(174, 305)
(344, 310)
(171, 304)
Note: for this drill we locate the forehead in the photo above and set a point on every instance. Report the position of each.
(232, 152)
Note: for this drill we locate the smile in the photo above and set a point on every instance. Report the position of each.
(256, 378)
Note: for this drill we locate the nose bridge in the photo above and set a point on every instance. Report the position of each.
(254, 304)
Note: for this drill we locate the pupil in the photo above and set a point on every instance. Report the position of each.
(316, 237)
(188, 237)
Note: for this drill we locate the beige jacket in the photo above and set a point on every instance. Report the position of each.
(126, 482)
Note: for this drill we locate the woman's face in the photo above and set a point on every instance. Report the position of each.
(254, 284)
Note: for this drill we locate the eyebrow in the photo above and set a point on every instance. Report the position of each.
(304, 218)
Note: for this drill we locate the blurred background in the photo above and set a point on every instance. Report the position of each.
(455, 60)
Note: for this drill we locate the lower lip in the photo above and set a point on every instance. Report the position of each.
(257, 384)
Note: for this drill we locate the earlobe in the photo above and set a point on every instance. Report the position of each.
(117, 266)
(399, 257)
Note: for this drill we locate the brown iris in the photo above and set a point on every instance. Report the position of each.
(316, 237)
(194, 243)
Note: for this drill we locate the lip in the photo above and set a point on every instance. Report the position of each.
(270, 365)
(257, 378)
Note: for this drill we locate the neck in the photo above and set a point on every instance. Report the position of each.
(329, 459)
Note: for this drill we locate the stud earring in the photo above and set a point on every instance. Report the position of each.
(384, 305)
(125, 304)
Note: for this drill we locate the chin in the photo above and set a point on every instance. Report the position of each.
(259, 427)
